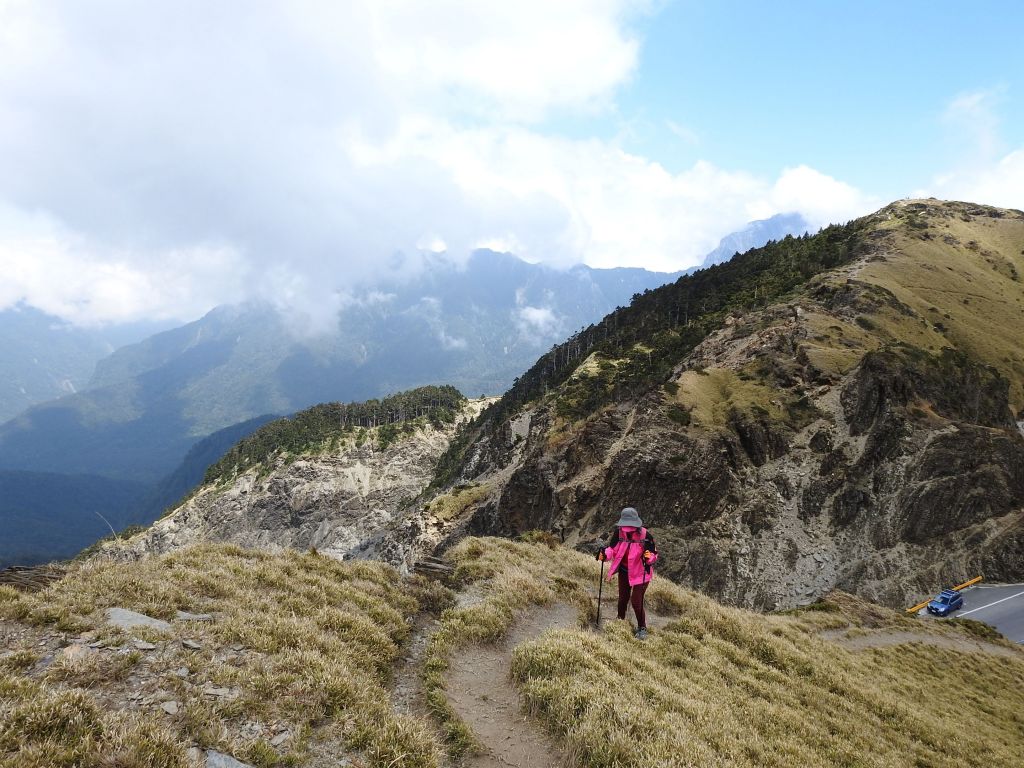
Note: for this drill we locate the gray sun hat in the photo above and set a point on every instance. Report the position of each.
(630, 517)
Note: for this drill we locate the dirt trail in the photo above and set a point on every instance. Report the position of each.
(407, 694)
(482, 694)
(889, 638)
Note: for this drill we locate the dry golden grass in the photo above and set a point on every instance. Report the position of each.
(725, 687)
(967, 278)
(46, 727)
(836, 345)
(455, 502)
(963, 281)
(17, 660)
(92, 670)
(714, 687)
(318, 641)
(711, 395)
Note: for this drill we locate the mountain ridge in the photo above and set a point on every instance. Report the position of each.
(763, 444)
(764, 427)
(146, 404)
(43, 357)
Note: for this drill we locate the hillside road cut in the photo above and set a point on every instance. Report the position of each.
(998, 605)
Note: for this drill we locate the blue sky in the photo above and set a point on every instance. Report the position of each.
(859, 91)
(161, 158)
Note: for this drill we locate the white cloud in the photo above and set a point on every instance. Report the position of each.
(450, 342)
(684, 133)
(161, 158)
(979, 170)
(519, 59)
(973, 120)
(58, 273)
(570, 201)
(143, 130)
(998, 183)
(537, 324)
(821, 199)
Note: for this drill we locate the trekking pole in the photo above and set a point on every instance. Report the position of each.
(600, 587)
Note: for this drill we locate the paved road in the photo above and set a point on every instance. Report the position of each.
(1000, 605)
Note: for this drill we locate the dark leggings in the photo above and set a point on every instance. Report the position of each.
(634, 595)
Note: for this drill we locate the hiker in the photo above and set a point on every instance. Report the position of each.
(632, 554)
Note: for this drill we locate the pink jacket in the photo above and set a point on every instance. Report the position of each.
(630, 546)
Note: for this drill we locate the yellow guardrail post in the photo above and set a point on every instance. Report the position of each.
(965, 585)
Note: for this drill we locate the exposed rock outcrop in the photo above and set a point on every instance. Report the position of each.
(351, 499)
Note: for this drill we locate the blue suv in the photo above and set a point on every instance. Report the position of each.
(947, 602)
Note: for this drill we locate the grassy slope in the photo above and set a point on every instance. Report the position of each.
(967, 277)
(715, 686)
(722, 686)
(711, 395)
(319, 637)
(961, 274)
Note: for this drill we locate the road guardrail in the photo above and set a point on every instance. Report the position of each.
(957, 588)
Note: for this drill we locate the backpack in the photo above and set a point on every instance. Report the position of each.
(646, 541)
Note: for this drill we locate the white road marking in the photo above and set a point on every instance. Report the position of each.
(997, 602)
(992, 586)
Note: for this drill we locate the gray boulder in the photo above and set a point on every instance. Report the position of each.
(125, 619)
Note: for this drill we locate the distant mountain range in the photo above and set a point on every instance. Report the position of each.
(756, 234)
(43, 357)
(476, 326)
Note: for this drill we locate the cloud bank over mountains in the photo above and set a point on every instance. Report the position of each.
(162, 158)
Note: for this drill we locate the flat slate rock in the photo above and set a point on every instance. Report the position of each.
(186, 616)
(220, 760)
(77, 652)
(125, 619)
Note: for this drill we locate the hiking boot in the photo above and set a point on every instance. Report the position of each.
(641, 634)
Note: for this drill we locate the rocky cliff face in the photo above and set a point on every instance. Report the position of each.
(352, 500)
(860, 434)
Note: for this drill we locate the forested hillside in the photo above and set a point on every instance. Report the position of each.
(326, 424)
(635, 347)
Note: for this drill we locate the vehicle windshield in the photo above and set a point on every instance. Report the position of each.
(942, 599)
